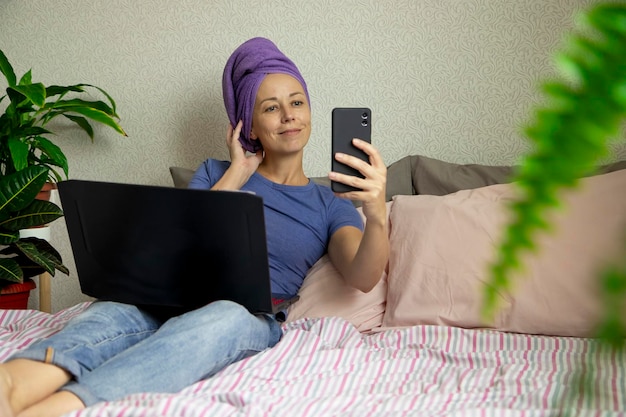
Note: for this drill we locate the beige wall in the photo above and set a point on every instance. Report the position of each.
(450, 79)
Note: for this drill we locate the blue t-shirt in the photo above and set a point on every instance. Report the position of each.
(299, 221)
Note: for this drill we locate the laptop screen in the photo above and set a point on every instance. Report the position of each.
(165, 246)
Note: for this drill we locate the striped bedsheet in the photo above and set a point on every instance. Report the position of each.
(324, 367)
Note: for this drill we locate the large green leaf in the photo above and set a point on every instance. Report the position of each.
(43, 254)
(55, 90)
(76, 102)
(30, 250)
(16, 98)
(108, 96)
(7, 69)
(28, 131)
(26, 79)
(36, 93)
(19, 153)
(29, 268)
(37, 213)
(98, 116)
(82, 122)
(10, 270)
(20, 188)
(51, 153)
(79, 87)
(8, 237)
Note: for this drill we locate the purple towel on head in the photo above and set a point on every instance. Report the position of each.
(243, 74)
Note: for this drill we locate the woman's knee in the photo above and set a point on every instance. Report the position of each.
(230, 307)
(110, 311)
(227, 321)
(221, 317)
(112, 315)
(110, 307)
(223, 311)
(261, 330)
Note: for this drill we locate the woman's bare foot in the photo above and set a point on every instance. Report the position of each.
(24, 382)
(5, 393)
(58, 404)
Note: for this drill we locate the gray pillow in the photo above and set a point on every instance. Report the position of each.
(615, 166)
(321, 181)
(399, 178)
(417, 174)
(414, 174)
(181, 176)
(435, 177)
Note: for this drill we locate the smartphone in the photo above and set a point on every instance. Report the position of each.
(349, 123)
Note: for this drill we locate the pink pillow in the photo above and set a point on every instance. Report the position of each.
(324, 293)
(441, 247)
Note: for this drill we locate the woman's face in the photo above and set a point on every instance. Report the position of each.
(281, 119)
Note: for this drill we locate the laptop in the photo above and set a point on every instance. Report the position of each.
(168, 247)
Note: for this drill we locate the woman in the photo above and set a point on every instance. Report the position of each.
(112, 350)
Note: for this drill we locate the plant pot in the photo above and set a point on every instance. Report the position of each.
(15, 296)
(41, 232)
(46, 191)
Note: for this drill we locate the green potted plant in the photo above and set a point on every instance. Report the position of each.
(572, 132)
(24, 138)
(22, 258)
(30, 161)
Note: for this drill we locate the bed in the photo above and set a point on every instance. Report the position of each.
(417, 345)
(326, 367)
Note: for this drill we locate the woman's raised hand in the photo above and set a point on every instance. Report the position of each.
(372, 186)
(242, 165)
(238, 156)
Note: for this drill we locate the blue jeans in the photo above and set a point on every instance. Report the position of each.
(114, 349)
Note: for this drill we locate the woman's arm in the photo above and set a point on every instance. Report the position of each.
(361, 257)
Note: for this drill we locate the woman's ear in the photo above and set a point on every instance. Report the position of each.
(253, 135)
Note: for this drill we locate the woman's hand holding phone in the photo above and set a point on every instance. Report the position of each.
(348, 124)
(358, 170)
